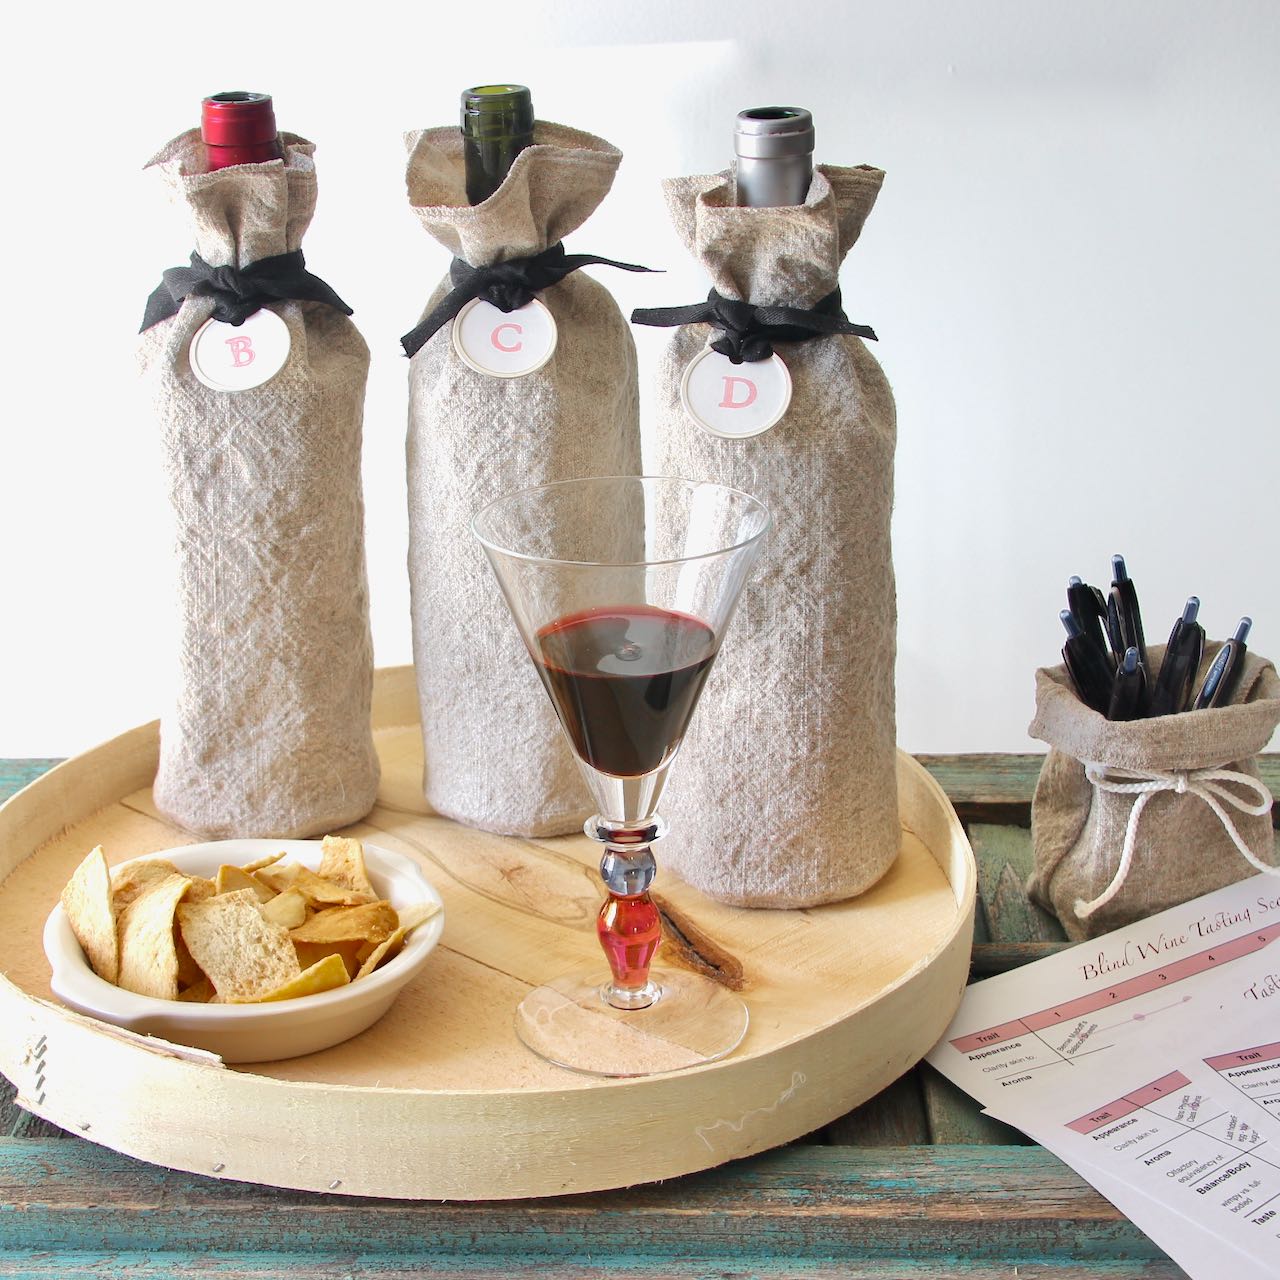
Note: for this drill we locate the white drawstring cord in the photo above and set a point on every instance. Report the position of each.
(1203, 783)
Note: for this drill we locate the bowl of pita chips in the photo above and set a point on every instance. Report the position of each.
(255, 950)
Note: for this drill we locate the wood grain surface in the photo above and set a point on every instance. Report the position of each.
(67, 1184)
(843, 999)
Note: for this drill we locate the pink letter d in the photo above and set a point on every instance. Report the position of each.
(729, 402)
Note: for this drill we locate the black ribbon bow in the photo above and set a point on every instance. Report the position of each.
(748, 332)
(506, 285)
(239, 291)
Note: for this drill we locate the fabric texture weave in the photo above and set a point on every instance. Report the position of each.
(494, 755)
(785, 792)
(270, 733)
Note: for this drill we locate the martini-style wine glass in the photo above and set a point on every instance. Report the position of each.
(622, 589)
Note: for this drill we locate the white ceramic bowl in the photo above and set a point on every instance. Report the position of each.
(255, 1032)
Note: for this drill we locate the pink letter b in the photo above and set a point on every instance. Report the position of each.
(241, 346)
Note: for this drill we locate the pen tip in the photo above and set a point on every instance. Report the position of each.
(1243, 627)
(1074, 581)
(1069, 622)
(1130, 664)
(1118, 572)
(1191, 609)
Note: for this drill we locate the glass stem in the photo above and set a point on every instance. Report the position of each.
(629, 929)
(628, 926)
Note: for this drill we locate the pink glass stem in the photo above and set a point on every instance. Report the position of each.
(629, 929)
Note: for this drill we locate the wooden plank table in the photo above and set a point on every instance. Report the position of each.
(914, 1184)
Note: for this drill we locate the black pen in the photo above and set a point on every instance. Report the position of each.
(1181, 661)
(1224, 674)
(1089, 670)
(1129, 689)
(1115, 632)
(1089, 608)
(1125, 595)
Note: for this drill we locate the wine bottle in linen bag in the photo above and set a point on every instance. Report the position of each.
(786, 794)
(257, 377)
(522, 372)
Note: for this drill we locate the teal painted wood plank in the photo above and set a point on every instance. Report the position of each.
(25, 1125)
(1007, 778)
(10, 1112)
(998, 957)
(893, 1118)
(998, 1204)
(998, 788)
(955, 1117)
(1005, 922)
(15, 774)
(277, 1266)
(1005, 863)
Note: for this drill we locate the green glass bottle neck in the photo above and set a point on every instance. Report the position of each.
(497, 124)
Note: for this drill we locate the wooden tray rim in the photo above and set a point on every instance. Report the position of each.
(101, 776)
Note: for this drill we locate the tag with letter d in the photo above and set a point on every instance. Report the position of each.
(735, 400)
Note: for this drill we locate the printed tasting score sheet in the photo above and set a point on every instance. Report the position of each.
(1149, 1060)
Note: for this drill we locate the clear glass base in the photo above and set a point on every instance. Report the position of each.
(686, 1020)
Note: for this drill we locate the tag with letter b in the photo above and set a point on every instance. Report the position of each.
(230, 357)
(735, 400)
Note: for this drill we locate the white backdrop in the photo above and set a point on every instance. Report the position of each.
(1072, 268)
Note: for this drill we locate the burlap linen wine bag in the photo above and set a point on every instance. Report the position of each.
(1131, 818)
(270, 733)
(494, 755)
(785, 792)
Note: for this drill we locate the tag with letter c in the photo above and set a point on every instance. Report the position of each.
(735, 401)
(239, 357)
(504, 344)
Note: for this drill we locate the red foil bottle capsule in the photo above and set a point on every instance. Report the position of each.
(239, 128)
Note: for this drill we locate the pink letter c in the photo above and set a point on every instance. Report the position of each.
(493, 337)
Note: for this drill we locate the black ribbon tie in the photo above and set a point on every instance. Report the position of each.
(748, 332)
(507, 285)
(239, 291)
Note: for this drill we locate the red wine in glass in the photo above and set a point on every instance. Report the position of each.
(624, 682)
(624, 679)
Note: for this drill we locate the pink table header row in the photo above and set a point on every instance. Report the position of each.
(1245, 1057)
(1130, 1103)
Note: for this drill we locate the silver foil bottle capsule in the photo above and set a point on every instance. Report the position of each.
(774, 147)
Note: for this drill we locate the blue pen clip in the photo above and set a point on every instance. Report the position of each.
(1224, 674)
(1128, 617)
(1182, 656)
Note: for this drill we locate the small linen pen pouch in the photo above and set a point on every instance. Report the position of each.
(1130, 818)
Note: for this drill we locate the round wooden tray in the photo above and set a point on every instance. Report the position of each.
(439, 1100)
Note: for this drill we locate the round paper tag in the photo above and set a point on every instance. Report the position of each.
(504, 344)
(230, 357)
(735, 400)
